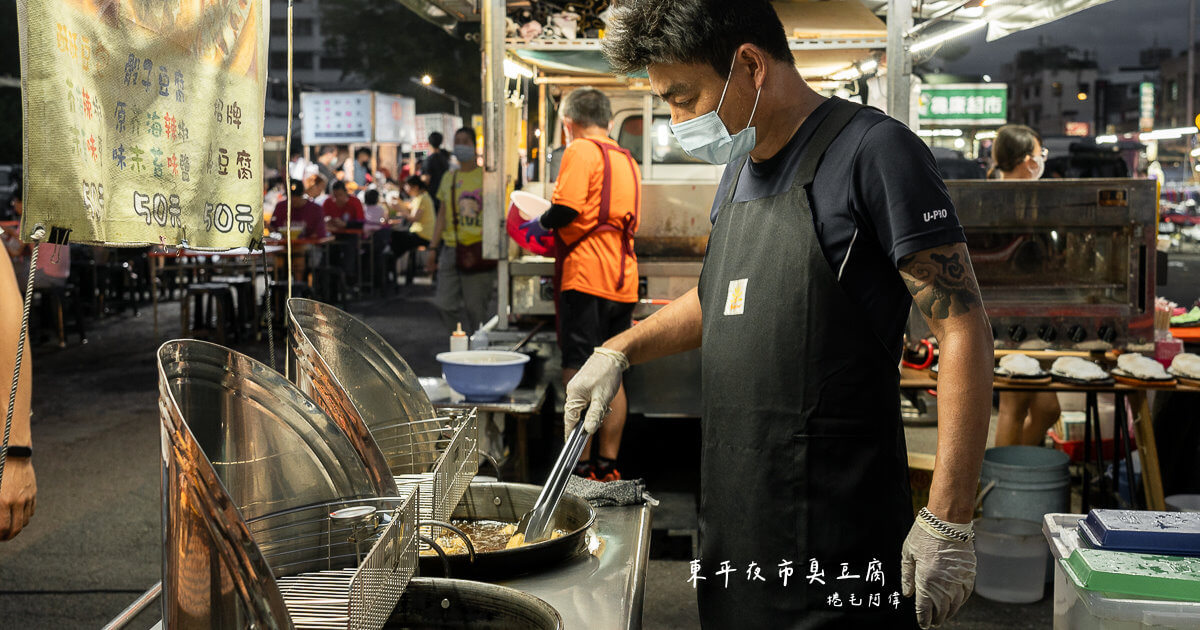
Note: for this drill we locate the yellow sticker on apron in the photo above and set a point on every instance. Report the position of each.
(735, 304)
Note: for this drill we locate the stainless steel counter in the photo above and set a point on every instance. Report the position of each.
(603, 590)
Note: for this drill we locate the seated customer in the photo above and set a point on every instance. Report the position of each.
(303, 211)
(374, 215)
(341, 207)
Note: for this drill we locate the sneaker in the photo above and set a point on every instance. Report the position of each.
(606, 474)
(587, 470)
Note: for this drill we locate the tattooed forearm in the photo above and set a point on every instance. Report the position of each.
(941, 281)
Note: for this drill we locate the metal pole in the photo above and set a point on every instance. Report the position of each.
(543, 140)
(899, 71)
(1191, 84)
(495, 177)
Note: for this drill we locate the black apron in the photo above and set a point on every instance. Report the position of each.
(803, 468)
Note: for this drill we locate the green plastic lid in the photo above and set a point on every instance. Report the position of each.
(1143, 575)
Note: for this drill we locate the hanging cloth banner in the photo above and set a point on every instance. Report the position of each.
(143, 120)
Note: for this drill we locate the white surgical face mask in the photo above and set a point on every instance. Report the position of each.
(706, 138)
(1041, 166)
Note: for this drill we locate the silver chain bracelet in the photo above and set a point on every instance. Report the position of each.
(944, 528)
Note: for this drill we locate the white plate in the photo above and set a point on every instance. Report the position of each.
(529, 206)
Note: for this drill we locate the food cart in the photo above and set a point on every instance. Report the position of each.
(839, 48)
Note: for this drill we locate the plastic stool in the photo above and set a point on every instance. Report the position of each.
(209, 299)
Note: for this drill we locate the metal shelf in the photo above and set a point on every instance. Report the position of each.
(837, 43)
(552, 44)
(823, 43)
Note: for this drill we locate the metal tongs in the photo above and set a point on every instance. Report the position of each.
(535, 524)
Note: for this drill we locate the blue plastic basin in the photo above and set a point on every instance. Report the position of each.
(483, 375)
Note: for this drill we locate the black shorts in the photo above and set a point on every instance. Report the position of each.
(586, 321)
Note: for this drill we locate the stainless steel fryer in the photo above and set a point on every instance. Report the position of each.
(254, 478)
(368, 389)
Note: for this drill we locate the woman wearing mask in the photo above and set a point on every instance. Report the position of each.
(1018, 154)
(1024, 416)
(466, 284)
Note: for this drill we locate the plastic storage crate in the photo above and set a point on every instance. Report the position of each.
(1078, 608)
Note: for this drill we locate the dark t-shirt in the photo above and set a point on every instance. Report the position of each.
(876, 198)
(308, 213)
(435, 166)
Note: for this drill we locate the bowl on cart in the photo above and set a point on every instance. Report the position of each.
(529, 206)
(483, 375)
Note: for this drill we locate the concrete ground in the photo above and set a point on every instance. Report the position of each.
(94, 544)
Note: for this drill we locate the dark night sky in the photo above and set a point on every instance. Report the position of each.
(1115, 32)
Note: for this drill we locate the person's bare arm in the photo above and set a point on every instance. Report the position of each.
(18, 488)
(942, 283)
(676, 328)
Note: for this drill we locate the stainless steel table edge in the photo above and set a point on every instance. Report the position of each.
(588, 604)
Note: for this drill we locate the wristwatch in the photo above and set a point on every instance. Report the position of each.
(19, 451)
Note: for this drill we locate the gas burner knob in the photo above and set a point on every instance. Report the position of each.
(1047, 333)
(1017, 333)
(1107, 333)
(1077, 333)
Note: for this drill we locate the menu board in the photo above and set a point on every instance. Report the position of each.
(143, 121)
(429, 123)
(335, 118)
(395, 119)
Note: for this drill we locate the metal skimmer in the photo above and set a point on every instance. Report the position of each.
(372, 394)
(283, 546)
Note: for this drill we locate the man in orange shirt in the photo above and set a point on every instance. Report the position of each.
(594, 216)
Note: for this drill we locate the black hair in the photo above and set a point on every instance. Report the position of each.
(436, 139)
(470, 131)
(371, 197)
(588, 106)
(296, 187)
(416, 182)
(1013, 143)
(362, 150)
(645, 32)
(338, 185)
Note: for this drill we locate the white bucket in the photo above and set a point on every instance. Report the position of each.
(1011, 560)
(1183, 503)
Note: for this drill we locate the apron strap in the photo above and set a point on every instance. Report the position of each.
(737, 177)
(604, 223)
(826, 133)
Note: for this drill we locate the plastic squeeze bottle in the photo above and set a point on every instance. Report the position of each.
(458, 340)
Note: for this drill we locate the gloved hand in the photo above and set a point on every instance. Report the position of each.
(593, 388)
(534, 229)
(940, 570)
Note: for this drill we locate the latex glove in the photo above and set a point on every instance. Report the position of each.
(939, 570)
(18, 496)
(534, 229)
(593, 388)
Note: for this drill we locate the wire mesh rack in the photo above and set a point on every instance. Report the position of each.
(244, 556)
(371, 393)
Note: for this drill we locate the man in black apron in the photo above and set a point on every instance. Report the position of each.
(829, 221)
